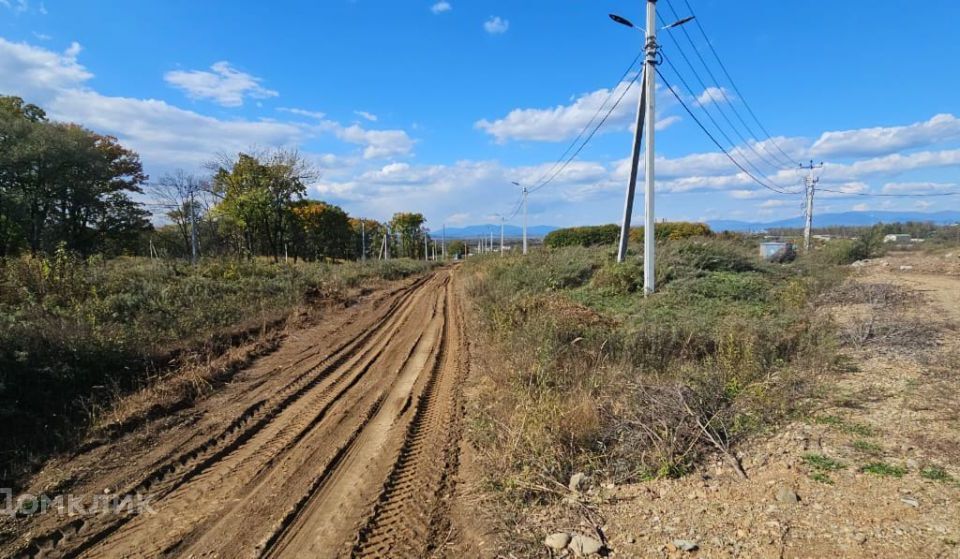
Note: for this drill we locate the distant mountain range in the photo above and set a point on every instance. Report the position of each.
(509, 231)
(855, 219)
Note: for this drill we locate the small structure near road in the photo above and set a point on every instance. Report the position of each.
(896, 238)
(777, 251)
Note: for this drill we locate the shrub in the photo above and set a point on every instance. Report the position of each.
(673, 231)
(583, 236)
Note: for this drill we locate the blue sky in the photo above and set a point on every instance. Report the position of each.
(437, 106)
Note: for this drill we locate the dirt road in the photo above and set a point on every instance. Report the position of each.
(341, 443)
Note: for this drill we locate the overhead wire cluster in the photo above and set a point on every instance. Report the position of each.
(734, 127)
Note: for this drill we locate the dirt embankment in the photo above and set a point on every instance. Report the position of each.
(342, 442)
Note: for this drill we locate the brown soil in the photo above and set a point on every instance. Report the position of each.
(894, 403)
(341, 442)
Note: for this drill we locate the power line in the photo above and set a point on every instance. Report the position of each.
(588, 138)
(734, 84)
(776, 188)
(717, 103)
(714, 140)
(593, 118)
(778, 161)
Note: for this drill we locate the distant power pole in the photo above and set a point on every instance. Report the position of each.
(443, 242)
(811, 183)
(193, 229)
(386, 245)
(525, 193)
(502, 219)
(363, 242)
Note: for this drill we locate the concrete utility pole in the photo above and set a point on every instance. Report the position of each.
(502, 219)
(363, 242)
(443, 242)
(646, 120)
(525, 193)
(193, 229)
(811, 183)
(386, 245)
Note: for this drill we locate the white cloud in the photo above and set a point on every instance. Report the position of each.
(887, 140)
(496, 25)
(715, 95)
(919, 187)
(378, 143)
(42, 36)
(364, 114)
(303, 112)
(860, 207)
(36, 73)
(18, 6)
(441, 7)
(224, 85)
(563, 121)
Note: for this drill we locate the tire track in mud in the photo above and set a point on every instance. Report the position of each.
(411, 511)
(354, 455)
(77, 535)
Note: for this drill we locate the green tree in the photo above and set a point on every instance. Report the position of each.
(257, 193)
(457, 248)
(325, 230)
(61, 183)
(409, 228)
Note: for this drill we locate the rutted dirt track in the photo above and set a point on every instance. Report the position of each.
(343, 444)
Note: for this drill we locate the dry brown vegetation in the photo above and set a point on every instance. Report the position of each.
(590, 377)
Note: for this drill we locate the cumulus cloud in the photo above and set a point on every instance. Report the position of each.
(496, 25)
(441, 7)
(561, 122)
(715, 95)
(886, 140)
(165, 135)
(224, 84)
(37, 74)
(368, 116)
(377, 143)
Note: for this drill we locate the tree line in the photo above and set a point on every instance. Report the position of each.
(65, 186)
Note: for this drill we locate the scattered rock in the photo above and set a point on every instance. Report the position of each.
(557, 541)
(858, 264)
(577, 481)
(912, 464)
(584, 545)
(905, 268)
(910, 502)
(630, 539)
(787, 496)
(685, 545)
(860, 538)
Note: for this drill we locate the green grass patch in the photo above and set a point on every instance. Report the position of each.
(936, 473)
(867, 447)
(821, 477)
(884, 469)
(822, 462)
(844, 426)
